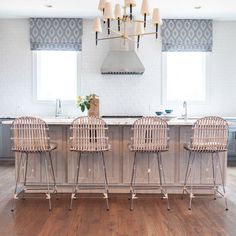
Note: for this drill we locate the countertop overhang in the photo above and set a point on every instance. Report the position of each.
(121, 121)
(109, 121)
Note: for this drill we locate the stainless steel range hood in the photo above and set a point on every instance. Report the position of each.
(122, 62)
(122, 58)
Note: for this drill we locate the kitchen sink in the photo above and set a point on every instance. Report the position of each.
(122, 117)
(58, 117)
(189, 118)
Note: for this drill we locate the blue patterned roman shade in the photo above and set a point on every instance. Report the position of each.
(186, 35)
(64, 34)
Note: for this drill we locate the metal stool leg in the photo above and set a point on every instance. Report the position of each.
(162, 179)
(132, 193)
(188, 170)
(106, 194)
(48, 196)
(26, 168)
(193, 176)
(75, 187)
(214, 175)
(53, 173)
(223, 182)
(17, 180)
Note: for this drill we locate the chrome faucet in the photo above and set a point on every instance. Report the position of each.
(185, 113)
(58, 108)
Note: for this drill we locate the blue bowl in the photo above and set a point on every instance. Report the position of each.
(159, 113)
(168, 111)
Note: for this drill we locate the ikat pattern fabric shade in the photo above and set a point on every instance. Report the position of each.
(188, 35)
(59, 34)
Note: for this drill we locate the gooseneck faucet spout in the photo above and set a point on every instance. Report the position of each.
(185, 107)
(58, 108)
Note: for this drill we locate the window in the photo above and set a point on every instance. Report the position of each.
(56, 75)
(184, 76)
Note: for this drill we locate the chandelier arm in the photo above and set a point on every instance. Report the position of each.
(127, 37)
(116, 32)
(130, 35)
(138, 21)
(150, 33)
(116, 37)
(122, 35)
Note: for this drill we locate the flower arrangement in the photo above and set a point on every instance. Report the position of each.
(84, 102)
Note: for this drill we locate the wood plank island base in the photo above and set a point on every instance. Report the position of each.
(119, 161)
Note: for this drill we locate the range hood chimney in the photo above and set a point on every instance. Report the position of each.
(122, 58)
(122, 62)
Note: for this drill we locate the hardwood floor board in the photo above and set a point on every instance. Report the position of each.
(89, 216)
(179, 224)
(59, 219)
(23, 220)
(155, 214)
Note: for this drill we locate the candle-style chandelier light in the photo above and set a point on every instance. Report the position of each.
(123, 18)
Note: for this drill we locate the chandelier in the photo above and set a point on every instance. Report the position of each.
(124, 18)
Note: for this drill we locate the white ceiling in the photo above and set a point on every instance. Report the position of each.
(214, 9)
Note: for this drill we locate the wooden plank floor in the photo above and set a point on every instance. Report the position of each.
(89, 217)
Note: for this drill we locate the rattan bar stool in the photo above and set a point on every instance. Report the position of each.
(88, 135)
(150, 135)
(210, 135)
(30, 135)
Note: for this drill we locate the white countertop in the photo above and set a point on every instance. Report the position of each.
(119, 121)
(109, 121)
(130, 121)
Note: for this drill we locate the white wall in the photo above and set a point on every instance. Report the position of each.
(119, 94)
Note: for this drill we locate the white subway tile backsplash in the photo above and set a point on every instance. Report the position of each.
(119, 94)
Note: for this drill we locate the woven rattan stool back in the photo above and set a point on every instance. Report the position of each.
(210, 134)
(150, 134)
(30, 134)
(88, 134)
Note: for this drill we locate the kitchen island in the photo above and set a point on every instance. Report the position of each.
(119, 159)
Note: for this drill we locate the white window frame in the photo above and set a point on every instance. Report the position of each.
(34, 76)
(164, 82)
